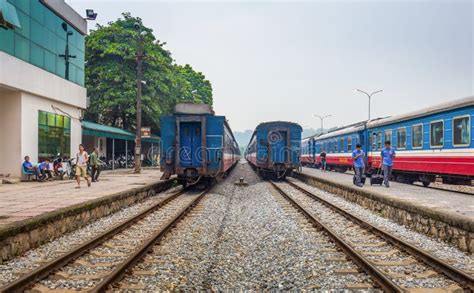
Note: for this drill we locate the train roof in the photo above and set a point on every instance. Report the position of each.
(458, 103)
(343, 130)
(192, 109)
(455, 104)
(277, 123)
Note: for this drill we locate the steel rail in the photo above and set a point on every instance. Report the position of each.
(45, 270)
(409, 184)
(136, 256)
(378, 276)
(461, 277)
(445, 189)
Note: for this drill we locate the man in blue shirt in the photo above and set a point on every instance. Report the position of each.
(387, 154)
(44, 170)
(358, 161)
(28, 168)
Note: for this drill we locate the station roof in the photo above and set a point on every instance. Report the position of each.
(96, 129)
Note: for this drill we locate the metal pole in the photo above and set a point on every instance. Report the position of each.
(126, 154)
(369, 96)
(152, 156)
(138, 139)
(66, 56)
(113, 153)
(369, 107)
(322, 120)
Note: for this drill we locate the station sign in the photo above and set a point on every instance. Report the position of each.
(146, 132)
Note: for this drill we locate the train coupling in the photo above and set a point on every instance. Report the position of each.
(241, 182)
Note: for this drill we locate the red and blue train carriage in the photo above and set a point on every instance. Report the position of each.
(432, 142)
(275, 148)
(196, 145)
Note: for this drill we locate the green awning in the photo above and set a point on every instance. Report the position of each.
(153, 139)
(95, 129)
(8, 14)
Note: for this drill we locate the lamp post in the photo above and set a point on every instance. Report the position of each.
(66, 55)
(138, 134)
(369, 96)
(322, 120)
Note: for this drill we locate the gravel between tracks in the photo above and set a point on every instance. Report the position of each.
(437, 247)
(241, 238)
(12, 269)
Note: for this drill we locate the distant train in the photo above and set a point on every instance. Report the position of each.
(196, 145)
(429, 143)
(274, 149)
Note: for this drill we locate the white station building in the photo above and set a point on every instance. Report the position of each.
(42, 97)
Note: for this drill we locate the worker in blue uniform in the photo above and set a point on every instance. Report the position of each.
(359, 165)
(387, 154)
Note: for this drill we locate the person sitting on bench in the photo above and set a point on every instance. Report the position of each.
(28, 168)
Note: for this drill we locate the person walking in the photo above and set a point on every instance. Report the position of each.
(322, 155)
(358, 161)
(387, 154)
(81, 166)
(95, 164)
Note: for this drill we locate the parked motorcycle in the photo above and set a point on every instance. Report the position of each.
(58, 169)
(69, 168)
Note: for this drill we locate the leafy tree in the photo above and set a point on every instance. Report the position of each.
(196, 88)
(111, 76)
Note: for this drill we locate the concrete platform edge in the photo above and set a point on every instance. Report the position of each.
(18, 237)
(453, 228)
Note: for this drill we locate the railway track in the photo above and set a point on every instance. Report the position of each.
(417, 185)
(395, 265)
(103, 260)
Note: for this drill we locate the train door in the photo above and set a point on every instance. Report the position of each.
(278, 140)
(190, 138)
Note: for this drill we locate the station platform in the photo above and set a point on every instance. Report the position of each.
(442, 201)
(34, 212)
(443, 214)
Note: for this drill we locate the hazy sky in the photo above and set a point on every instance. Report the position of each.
(277, 60)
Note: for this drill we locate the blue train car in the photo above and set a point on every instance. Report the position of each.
(430, 143)
(196, 145)
(275, 148)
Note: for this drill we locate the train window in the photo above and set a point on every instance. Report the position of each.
(417, 136)
(437, 134)
(461, 133)
(379, 140)
(373, 140)
(401, 138)
(341, 141)
(349, 144)
(335, 146)
(388, 135)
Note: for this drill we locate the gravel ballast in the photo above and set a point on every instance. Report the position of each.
(436, 247)
(243, 238)
(32, 259)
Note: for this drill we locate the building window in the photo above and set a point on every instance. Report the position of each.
(54, 135)
(349, 144)
(401, 138)
(461, 133)
(417, 136)
(437, 134)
